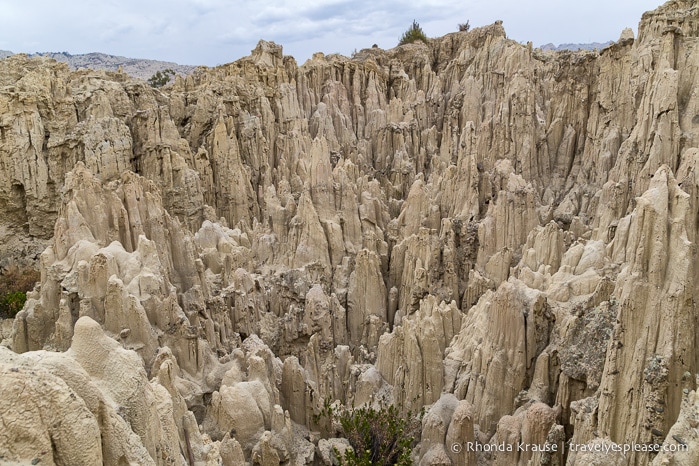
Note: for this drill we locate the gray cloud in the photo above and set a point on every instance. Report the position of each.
(218, 31)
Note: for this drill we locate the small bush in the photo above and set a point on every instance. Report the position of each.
(14, 284)
(161, 78)
(464, 27)
(414, 33)
(379, 437)
(12, 303)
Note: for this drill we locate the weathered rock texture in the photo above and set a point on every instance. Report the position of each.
(502, 235)
(93, 405)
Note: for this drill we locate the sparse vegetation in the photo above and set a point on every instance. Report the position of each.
(413, 34)
(14, 283)
(161, 78)
(380, 437)
(464, 27)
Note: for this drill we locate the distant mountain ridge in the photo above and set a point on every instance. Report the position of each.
(145, 68)
(590, 46)
(136, 67)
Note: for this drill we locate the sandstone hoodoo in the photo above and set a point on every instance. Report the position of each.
(499, 239)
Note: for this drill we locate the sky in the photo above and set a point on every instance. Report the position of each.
(213, 32)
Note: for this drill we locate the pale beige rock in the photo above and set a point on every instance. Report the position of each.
(471, 217)
(434, 431)
(461, 433)
(366, 296)
(328, 447)
(526, 432)
(293, 389)
(642, 371)
(231, 452)
(680, 445)
(372, 389)
(500, 339)
(597, 452)
(127, 418)
(410, 358)
(44, 419)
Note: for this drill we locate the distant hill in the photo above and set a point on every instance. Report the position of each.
(136, 67)
(590, 46)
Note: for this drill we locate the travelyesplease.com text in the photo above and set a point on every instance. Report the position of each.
(597, 447)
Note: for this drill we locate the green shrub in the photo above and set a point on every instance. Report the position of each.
(14, 284)
(414, 33)
(379, 437)
(11, 304)
(161, 78)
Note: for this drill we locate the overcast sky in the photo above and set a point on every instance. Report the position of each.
(211, 32)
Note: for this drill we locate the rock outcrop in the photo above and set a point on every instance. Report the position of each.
(93, 404)
(501, 235)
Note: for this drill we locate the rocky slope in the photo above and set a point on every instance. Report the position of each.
(504, 236)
